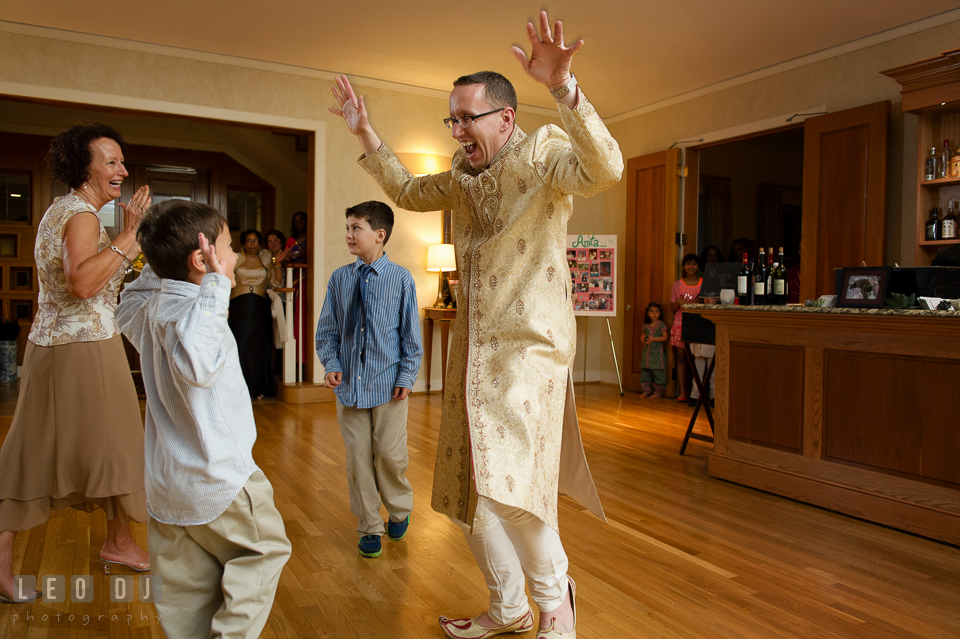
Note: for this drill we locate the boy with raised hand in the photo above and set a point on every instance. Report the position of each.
(215, 536)
(368, 340)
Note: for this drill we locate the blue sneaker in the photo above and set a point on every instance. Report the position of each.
(397, 530)
(370, 546)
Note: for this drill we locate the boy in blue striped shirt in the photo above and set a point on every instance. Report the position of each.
(368, 339)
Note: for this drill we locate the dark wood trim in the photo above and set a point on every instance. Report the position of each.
(844, 188)
(881, 509)
(928, 83)
(102, 108)
(894, 457)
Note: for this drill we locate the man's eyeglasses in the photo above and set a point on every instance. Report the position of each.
(466, 121)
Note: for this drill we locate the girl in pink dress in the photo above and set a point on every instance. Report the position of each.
(685, 291)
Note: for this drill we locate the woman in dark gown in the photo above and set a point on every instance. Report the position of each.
(250, 318)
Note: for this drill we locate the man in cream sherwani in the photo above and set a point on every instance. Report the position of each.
(509, 440)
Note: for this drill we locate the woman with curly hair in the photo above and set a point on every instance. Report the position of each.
(77, 437)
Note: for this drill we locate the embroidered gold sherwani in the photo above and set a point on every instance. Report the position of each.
(509, 411)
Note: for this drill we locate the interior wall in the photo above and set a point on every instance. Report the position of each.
(411, 123)
(273, 157)
(91, 73)
(838, 83)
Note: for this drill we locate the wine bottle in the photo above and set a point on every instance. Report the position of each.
(930, 168)
(760, 279)
(769, 287)
(933, 225)
(780, 280)
(948, 226)
(744, 284)
(955, 162)
(944, 169)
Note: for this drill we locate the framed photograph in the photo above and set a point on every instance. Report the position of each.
(864, 287)
(454, 291)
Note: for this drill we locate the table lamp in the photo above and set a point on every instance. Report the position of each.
(440, 258)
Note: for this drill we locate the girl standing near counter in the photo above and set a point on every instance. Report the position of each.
(685, 291)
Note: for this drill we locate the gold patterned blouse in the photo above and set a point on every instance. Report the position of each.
(62, 318)
(253, 277)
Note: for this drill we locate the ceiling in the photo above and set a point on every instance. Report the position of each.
(636, 53)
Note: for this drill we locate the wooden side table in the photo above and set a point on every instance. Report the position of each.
(443, 316)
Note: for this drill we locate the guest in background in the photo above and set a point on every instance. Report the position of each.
(740, 246)
(685, 291)
(76, 439)
(711, 255)
(703, 353)
(250, 318)
(297, 242)
(297, 254)
(276, 244)
(653, 361)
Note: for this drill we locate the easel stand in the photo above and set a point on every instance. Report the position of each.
(613, 349)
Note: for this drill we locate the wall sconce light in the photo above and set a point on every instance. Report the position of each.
(424, 163)
(440, 258)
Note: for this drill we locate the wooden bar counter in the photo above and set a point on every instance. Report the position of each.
(853, 410)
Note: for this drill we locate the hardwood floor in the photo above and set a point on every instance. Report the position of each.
(682, 555)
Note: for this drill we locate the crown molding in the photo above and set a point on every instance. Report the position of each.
(329, 76)
(233, 61)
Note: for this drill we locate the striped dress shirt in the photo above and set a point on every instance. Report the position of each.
(392, 342)
(199, 430)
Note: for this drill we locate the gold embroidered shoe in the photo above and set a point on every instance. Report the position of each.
(552, 632)
(470, 629)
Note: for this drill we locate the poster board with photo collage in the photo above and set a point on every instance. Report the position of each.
(592, 260)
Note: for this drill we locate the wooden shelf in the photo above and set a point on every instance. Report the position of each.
(940, 182)
(931, 89)
(937, 243)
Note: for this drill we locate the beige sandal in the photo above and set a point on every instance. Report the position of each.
(470, 629)
(552, 632)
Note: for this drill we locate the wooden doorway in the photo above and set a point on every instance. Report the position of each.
(653, 193)
(844, 194)
(843, 215)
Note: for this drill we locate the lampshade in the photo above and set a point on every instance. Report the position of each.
(440, 257)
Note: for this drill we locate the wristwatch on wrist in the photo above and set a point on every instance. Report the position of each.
(565, 89)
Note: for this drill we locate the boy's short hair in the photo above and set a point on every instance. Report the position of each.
(168, 235)
(377, 214)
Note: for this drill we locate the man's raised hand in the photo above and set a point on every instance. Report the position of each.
(352, 110)
(354, 114)
(549, 62)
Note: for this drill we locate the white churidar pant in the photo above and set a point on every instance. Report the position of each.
(509, 543)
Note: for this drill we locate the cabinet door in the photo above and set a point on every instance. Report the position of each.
(651, 254)
(844, 194)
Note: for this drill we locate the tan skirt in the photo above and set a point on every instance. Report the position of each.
(76, 438)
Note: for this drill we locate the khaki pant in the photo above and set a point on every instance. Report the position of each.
(219, 579)
(508, 544)
(376, 443)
